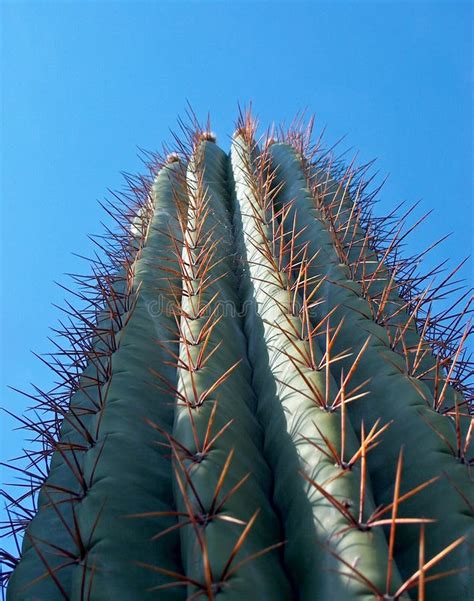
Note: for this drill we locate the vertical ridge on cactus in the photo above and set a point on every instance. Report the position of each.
(414, 424)
(307, 394)
(259, 400)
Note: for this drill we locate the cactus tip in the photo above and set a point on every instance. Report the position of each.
(173, 157)
(208, 136)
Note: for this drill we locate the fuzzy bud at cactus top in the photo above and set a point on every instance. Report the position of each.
(173, 157)
(208, 136)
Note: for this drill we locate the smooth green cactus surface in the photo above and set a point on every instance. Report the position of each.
(258, 412)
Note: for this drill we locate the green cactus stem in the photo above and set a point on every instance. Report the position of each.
(257, 404)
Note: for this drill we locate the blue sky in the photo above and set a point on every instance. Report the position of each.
(86, 83)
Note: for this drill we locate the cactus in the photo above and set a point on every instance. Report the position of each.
(259, 402)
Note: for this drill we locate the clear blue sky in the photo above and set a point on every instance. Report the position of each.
(85, 83)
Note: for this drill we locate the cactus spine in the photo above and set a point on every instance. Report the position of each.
(258, 411)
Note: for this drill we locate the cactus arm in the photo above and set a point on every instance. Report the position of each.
(295, 421)
(93, 527)
(219, 489)
(134, 397)
(394, 396)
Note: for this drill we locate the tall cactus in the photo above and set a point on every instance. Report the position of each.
(256, 406)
